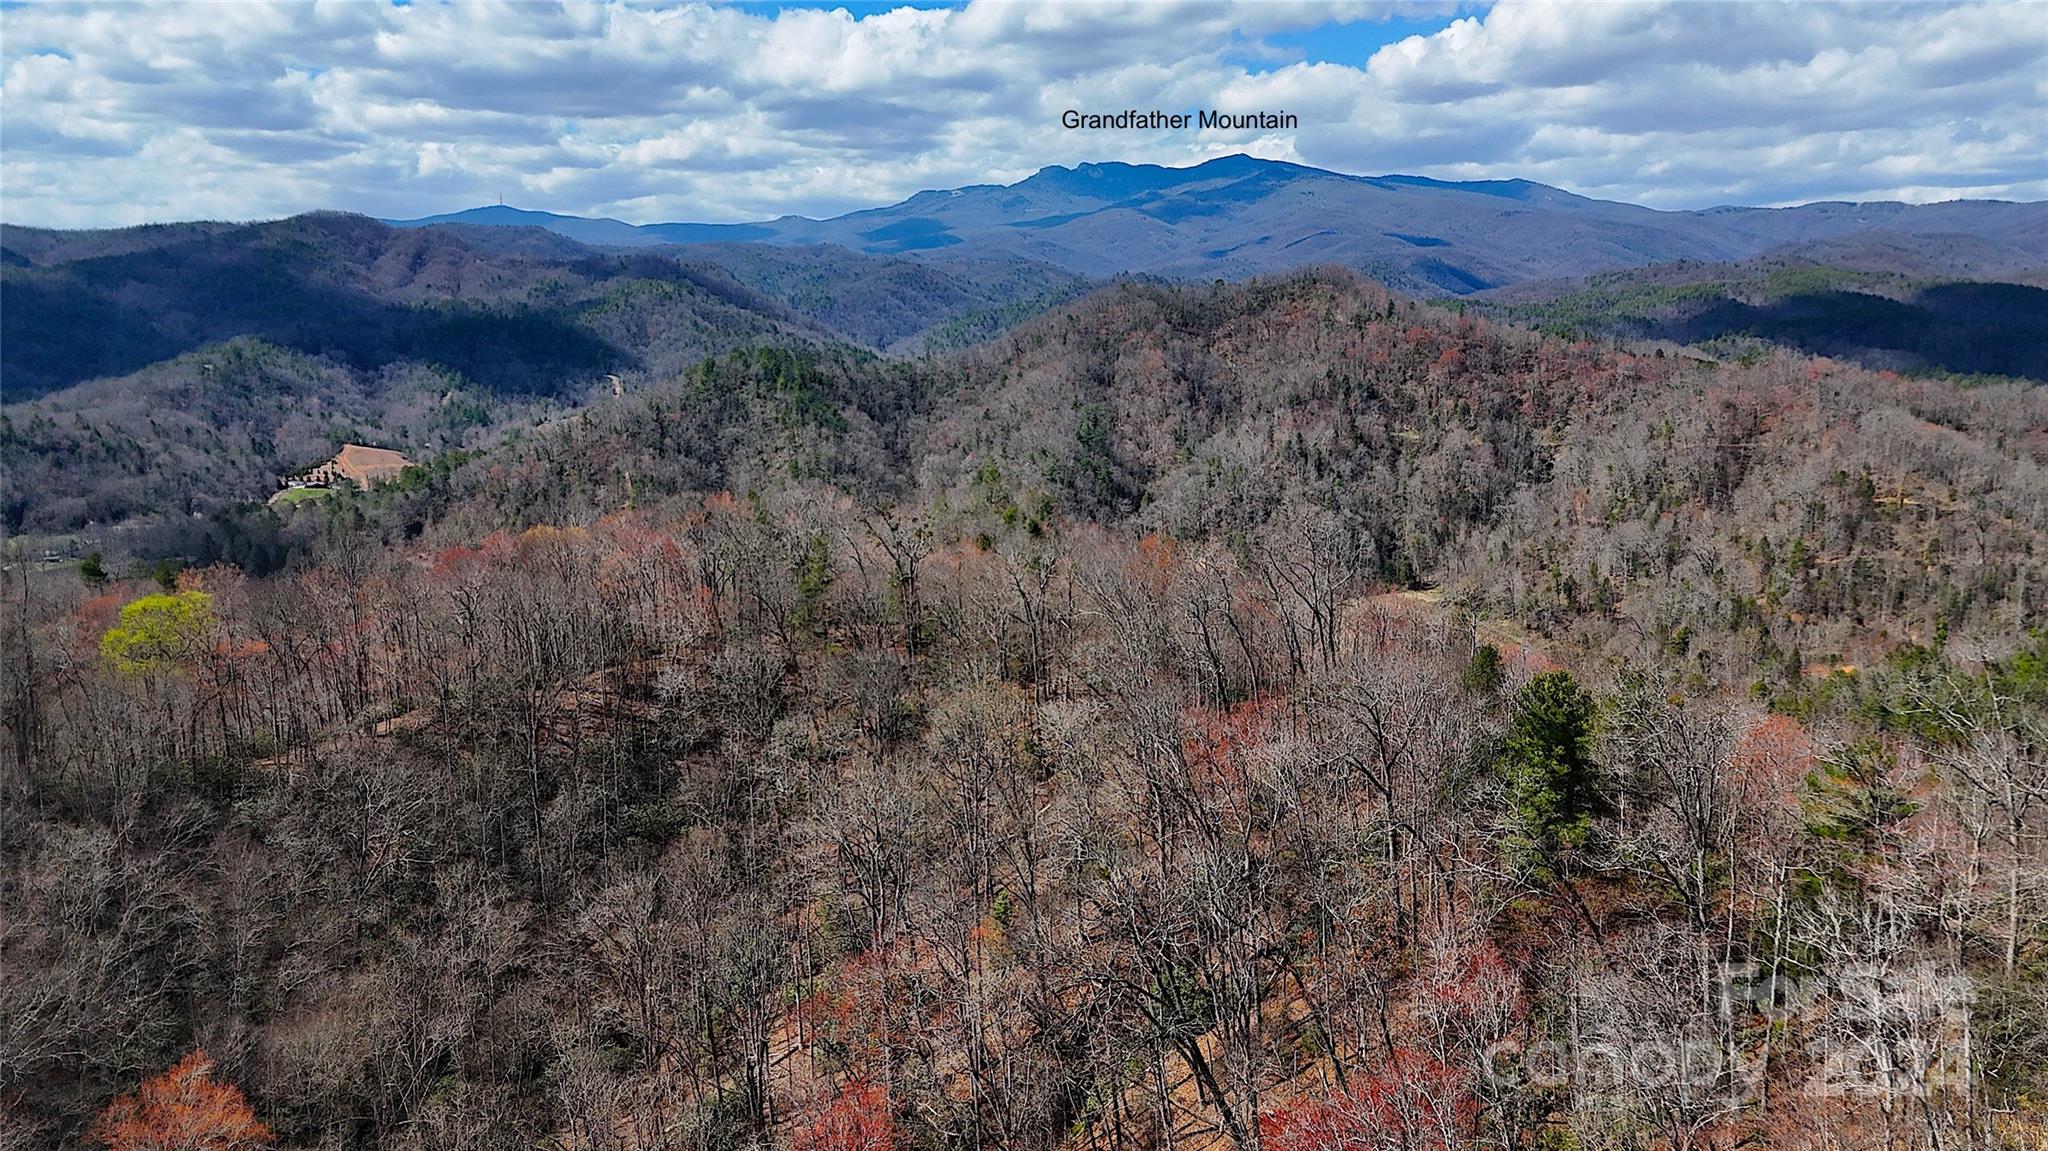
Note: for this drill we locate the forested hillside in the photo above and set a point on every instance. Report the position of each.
(1279, 716)
(1812, 504)
(1865, 309)
(156, 373)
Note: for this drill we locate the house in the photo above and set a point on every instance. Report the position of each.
(355, 463)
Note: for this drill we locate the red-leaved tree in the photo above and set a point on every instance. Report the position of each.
(857, 1120)
(183, 1109)
(1411, 1103)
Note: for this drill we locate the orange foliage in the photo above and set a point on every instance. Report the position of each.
(218, 580)
(858, 1119)
(1216, 742)
(1412, 1102)
(184, 1109)
(1154, 565)
(494, 549)
(93, 617)
(1770, 763)
(240, 650)
(857, 1009)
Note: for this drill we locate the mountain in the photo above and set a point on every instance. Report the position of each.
(891, 303)
(1533, 473)
(85, 305)
(604, 231)
(1856, 306)
(610, 232)
(540, 317)
(1238, 216)
(153, 374)
(1278, 708)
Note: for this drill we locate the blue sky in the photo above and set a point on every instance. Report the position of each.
(1351, 40)
(667, 111)
(1354, 43)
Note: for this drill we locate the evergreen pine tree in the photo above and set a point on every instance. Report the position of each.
(1548, 761)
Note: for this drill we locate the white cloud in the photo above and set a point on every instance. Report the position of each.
(723, 113)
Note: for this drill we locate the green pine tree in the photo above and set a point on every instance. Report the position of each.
(1483, 672)
(814, 579)
(1852, 801)
(1547, 758)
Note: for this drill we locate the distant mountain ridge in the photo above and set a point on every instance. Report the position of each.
(147, 374)
(603, 231)
(85, 305)
(1238, 216)
(1877, 307)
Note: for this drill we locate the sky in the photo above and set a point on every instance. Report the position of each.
(115, 115)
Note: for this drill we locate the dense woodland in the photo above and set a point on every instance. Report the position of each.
(1279, 716)
(154, 375)
(1881, 306)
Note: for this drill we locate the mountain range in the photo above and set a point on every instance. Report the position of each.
(1238, 216)
(809, 710)
(513, 310)
(154, 372)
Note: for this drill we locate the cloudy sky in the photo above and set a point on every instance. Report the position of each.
(656, 111)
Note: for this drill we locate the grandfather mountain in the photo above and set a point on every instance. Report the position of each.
(1238, 216)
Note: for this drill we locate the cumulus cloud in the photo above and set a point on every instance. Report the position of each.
(697, 112)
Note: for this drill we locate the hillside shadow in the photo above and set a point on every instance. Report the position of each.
(112, 315)
(1998, 329)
